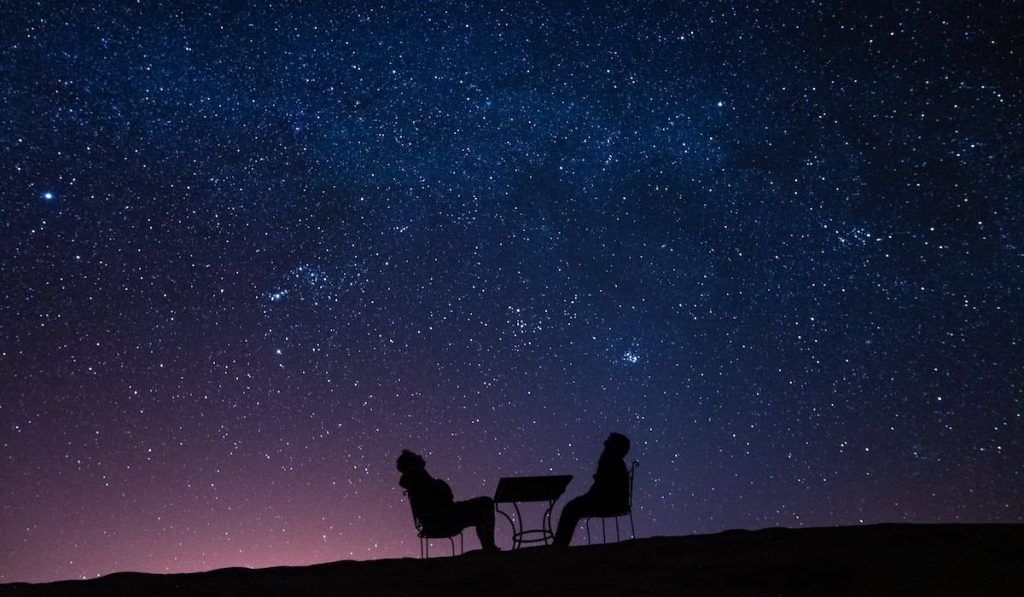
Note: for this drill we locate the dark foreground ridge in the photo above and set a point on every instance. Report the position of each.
(985, 559)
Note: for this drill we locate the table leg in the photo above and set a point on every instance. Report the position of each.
(516, 533)
(546, 524)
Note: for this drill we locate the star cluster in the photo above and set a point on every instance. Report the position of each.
(250, 252)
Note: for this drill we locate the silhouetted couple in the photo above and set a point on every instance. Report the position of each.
(434, 506)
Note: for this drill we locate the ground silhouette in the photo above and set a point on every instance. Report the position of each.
(864, 560)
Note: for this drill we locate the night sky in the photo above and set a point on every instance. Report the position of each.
(249, 253)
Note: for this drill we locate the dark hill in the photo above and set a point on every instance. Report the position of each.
(889, 559)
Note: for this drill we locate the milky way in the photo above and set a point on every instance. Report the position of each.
(251, 253)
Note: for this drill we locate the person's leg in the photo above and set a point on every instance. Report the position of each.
(576, 509)
(483, 517)
(477, 512)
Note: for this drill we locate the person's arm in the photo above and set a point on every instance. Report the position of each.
(444, 492)
(612, 479)
(608, 471)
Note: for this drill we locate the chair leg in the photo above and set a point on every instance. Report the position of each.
(617, 537)
(632, 529)
(604, 535)
(588, 531)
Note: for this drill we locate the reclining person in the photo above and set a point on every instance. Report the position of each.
(433, 505)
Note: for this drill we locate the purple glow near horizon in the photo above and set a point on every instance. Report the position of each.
(248, 255)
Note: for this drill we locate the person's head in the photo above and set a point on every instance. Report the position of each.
(616, 445)
(410, 461)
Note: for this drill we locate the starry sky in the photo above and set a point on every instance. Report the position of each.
(250, 251)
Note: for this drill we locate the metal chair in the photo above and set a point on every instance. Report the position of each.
(426, 535)
(616, 514)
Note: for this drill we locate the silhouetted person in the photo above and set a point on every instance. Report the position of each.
(608, 494)
(433, 505)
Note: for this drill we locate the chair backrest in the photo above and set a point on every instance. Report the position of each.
(632, 474)
(433, 532)
(415, 521)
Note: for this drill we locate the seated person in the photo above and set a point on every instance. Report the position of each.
(433, 505)
(608, 495)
